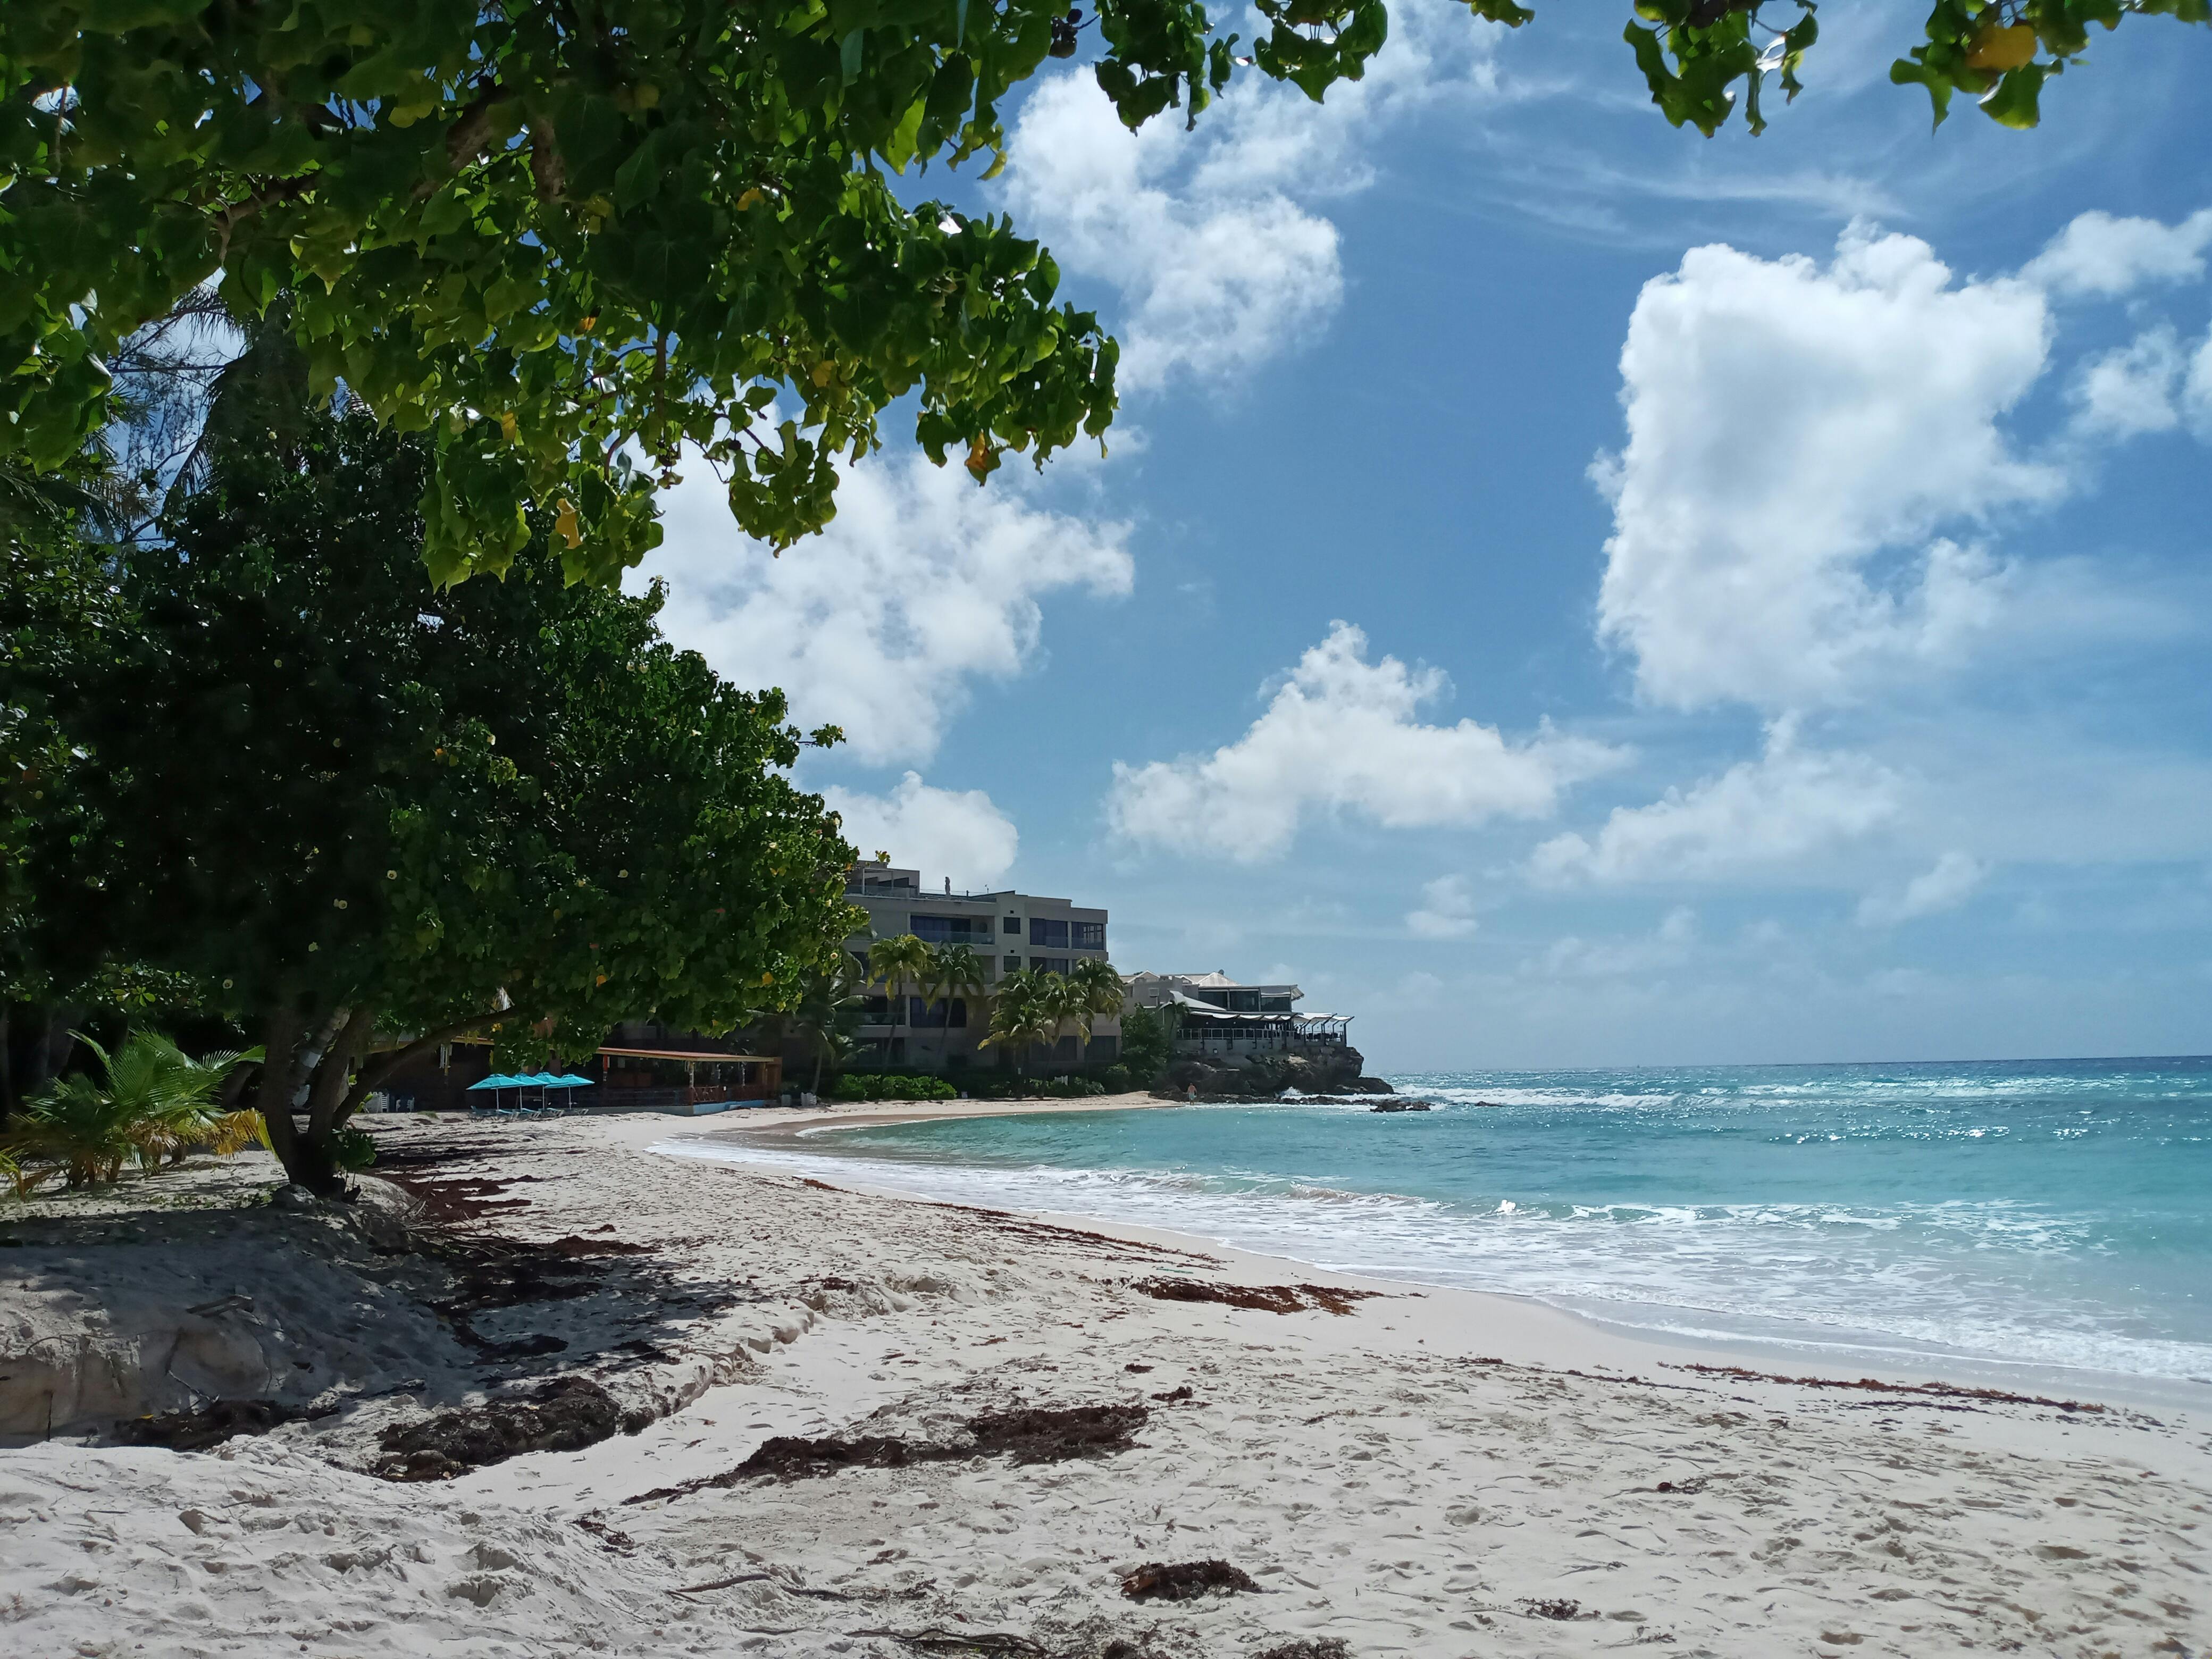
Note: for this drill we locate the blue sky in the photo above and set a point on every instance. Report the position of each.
(1567, 592)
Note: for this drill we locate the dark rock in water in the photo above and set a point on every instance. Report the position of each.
(1326, 1647)
(1323, 1070)
(1401, 1106)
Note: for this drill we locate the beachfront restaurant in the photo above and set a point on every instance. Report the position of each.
(1208, 1030)
(648, 1071)
(687, 1080)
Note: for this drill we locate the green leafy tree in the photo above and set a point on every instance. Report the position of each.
(557, 236)
(372, 814)
(1147, 1044)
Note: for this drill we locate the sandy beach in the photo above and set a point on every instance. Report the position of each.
(771, 1415)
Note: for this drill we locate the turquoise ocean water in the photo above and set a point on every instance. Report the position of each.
(2042, 1214)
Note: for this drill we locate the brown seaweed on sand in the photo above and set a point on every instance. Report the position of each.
(1185, 1581)
(1027, 1434)
(1558, 1607)
(567, 1415)
(1260, 1298)
(213, 1422)
(1870, 1385)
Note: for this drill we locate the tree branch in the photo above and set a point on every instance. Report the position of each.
(331, 1072)
(389, 1061)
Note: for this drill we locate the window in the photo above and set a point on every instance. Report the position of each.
(1090, 936)
(1049, 964)
(1012, 925)
(1011, 964)
(1050, 934)
(935, 1016)
(949, 930)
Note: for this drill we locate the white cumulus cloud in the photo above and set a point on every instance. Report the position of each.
(1213, 235)
(1786, 805)
(1343, 734)
(1447, 909)
(2196, 392)
(2102, 257)
(2129, 390)
(961, 832)
(1946, 887)
(1794, 429)
(922, 585)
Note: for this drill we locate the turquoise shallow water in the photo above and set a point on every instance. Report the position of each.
(2044, 1213)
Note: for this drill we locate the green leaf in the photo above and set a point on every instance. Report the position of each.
(1907, 71)
(2014, 104)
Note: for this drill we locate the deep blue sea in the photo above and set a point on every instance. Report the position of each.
(2045, 1214)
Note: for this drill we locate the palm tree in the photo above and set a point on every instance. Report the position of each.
(1068, 1000)
(901, 958)
(1019, 1015)
(1102, 986)
(155, 1100)
(959, 971)
(823, 1011)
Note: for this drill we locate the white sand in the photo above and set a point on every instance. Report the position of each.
(1382, 1483)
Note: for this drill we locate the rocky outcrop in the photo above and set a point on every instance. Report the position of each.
(1266, 1077)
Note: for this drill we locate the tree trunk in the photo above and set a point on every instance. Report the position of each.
(281, 1029)
(328, 1092)
(309, 1156)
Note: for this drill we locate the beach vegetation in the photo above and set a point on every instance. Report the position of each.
(1147, 1044)
(576, 247)
(150, 1103)
(821, 1015)
(371, 814)
(891, 1085)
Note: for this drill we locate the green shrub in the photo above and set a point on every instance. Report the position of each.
(152, 1101)
(1147, 1045)
(891, 1085)
(354, 1148)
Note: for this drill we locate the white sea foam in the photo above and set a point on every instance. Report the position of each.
(1808, 1275)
